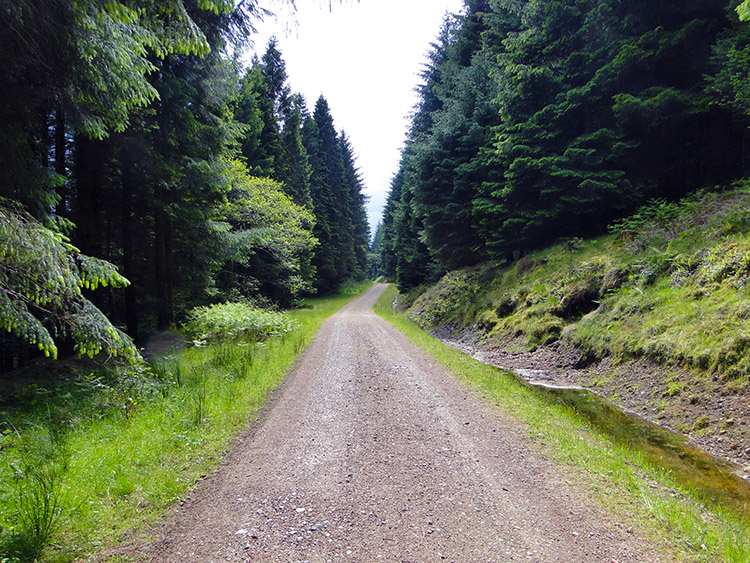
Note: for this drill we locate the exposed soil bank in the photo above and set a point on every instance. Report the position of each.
(711, 415)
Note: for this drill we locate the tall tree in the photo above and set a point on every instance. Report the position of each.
(294, 169)
(260, 142)
(447, 154)
(73, 73)
(326, 185)
(152, 187)
(360, 228)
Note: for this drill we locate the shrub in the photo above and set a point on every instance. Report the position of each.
(235, 321)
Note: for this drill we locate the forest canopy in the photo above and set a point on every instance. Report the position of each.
(140, 159)
(540, 120)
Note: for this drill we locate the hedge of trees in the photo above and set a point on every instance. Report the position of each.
(139, 157)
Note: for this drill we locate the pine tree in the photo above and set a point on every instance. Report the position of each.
(360, 228)
(77, 74)
(334, 259)
(260, 142)
(294, 169)
(447, 155)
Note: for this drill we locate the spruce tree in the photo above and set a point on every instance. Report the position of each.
(360, 228)
(294, 165)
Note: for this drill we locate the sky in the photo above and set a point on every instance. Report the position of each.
(365, 57)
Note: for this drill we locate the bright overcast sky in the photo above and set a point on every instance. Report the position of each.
(365, 58)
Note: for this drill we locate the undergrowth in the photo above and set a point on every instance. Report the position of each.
(230, 321)
(686, 528)
(669, 284)
(96, 449)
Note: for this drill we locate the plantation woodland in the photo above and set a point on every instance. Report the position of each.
(157, 184)
(542, 120)
(144, 171)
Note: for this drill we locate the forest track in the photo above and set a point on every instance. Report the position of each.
(371, 451)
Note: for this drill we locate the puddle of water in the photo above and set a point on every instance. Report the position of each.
(714, 479)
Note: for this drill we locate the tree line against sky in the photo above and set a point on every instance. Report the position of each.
(547, 119)
(138, 157)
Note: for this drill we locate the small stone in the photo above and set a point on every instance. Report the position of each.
(241, 533)
(300, 510)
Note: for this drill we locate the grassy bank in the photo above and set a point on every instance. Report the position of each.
(669, 284)
(107, 450)
(626, 484)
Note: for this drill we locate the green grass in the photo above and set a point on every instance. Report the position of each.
(88, 461)
(670, 284)
(626, 484)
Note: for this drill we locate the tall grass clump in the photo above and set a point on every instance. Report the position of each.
(37, 466)
(98, 449)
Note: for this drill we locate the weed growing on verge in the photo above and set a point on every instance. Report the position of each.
(624, 481)
(230, 321)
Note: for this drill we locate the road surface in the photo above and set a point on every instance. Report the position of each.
(371, 451)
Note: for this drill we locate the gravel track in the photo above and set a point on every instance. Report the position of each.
(371, 452)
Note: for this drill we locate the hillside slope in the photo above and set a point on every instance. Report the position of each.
(655, 315)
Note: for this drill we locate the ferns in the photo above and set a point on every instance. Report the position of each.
(236, 320)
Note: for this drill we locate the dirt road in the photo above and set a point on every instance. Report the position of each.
(372, 452)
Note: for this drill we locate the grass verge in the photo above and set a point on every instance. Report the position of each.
(622, 479)
(85, 462)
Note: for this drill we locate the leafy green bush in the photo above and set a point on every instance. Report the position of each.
(234, 321)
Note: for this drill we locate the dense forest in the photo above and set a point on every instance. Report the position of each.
(542, 120)
(145, 171)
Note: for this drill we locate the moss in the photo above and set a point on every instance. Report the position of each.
(701, 423)
(671, 284)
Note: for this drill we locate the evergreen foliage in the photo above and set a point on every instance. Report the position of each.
(42, 278)
(128, 129)
(338, 202)
(546, 119)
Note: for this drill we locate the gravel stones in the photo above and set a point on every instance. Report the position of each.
(370, 452)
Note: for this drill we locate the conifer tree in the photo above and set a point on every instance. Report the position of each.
(260, 142)
(360, 228)
(386, 246)
(549, 118)
(326, 183)
(294, 166)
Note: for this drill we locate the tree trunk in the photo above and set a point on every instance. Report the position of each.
(61, 164)
(164, 284)
(89, 179)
